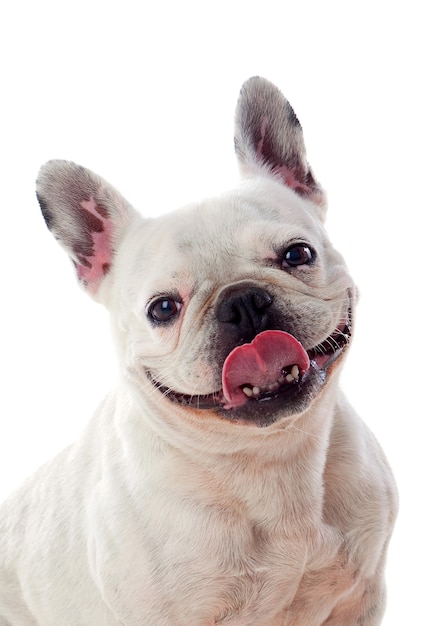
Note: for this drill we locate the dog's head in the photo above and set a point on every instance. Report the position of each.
(236, 307)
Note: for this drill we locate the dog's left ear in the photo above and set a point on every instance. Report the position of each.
(87, 216)
(269, 136)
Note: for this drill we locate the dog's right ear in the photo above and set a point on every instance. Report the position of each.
(87, 216)
(269, 138)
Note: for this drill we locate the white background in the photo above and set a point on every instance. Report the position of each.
(144, 93)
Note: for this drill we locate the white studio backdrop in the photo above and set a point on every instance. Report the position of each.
(144, 94)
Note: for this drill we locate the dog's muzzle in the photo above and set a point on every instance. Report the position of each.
(268, 373)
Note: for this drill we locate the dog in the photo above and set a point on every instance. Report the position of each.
(226, 480)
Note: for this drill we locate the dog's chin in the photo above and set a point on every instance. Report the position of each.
(285, 398)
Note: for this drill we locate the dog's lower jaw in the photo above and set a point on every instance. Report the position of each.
(288, 401)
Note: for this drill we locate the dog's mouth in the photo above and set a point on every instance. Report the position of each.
(273, 368)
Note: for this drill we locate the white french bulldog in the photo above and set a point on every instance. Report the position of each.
(226, 480)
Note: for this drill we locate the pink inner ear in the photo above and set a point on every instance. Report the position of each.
(260, 143)
(92, 269)
(290, 179)
(288, 175)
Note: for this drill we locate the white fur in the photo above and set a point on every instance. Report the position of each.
(164, 515)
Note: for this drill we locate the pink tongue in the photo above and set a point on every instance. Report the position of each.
(260, 363)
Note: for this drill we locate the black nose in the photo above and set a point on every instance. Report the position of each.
(244, 311)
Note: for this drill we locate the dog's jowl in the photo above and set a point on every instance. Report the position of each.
(226, 480)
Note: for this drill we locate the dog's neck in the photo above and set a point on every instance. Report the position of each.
(219, 458)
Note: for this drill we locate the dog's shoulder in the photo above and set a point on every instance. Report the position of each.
(360, 491)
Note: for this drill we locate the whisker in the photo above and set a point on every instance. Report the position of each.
(300, 430)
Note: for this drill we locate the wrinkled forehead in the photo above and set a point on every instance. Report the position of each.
(221, 238)
(260, 216)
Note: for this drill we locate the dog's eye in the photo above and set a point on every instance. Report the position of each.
(164, 309)
(298, 254)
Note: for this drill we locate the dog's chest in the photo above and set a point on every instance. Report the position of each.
(218, 546)
(275, 581)
(220, 570)
(293, 576)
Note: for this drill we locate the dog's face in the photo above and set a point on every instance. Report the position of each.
(237, 307)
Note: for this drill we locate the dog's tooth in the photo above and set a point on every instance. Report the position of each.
(295, 371)
(273, 387)
(247, 391)
(289, 378)
(256, 391)
(281, 380)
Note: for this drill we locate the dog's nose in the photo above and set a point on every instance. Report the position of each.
(244, 310)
